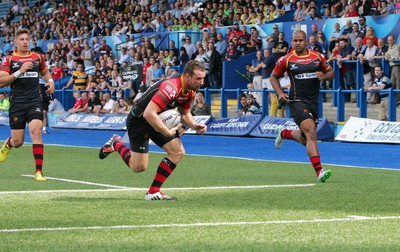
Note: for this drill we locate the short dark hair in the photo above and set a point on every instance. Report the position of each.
(193, 65)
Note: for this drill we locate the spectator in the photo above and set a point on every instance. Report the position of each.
(190, 48)
(370, 35)
(381, 82)
(346, 50)
(348, 28)
(221, 45)
(362, 25)
(313, 45)
(391, 55)
(94, 103)
(252, 106)
(366, 58)
(200, 107)
(334, 37)
(379, 53)
(355, 34)
(280, 47)
(57, 71)
(243, 41)
(274, 109)
(80, 104)
(158, 72)
(204, 58)
(273, 37)
(124, 56)
(78, 79)
(104, 48)
(300, 12)
(87, 55)
(4, 102)
(267, 65)
(256, 70)
(215, 67)
(313, 15)
(243, 104)
(255, 42)
(56, 106)
(107, 104)
(115, 86)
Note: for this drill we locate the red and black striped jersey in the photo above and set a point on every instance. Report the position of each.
(165, 94)
(302, 70)
(26, 88)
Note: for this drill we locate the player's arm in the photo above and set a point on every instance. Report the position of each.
(69, 82)
(188, 120)
(46, 75)
(6, 78)
(151, 116)
(327, 72)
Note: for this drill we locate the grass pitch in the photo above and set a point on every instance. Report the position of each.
(229, 205)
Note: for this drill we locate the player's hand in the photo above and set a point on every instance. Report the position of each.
(50, 87)
(25, 67)
(200, 128)
(283, 98)
(320, 75)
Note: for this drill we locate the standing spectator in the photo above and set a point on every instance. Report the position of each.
(355, 34)
(273, 37)
(26, 101)
(78, 79)
(232, 53)
(183, 56)
(280, 47)
(362, 25)
(190, 48)
(366, 58)
(215, 67)
(58, 72)
(256, 70)
(221, 45)
(87, 55)
(303, 98)
(391, 55)
(334, 37)
(348, 28)
(379, 53)
(267, 65)
(204, 59)
(200, 106)
(104, 48)
(381, 82)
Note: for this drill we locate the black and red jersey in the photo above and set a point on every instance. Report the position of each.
(24, 89)
(165, 94)
(302, 70)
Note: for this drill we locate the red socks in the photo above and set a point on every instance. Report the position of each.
(165, 168)
(124, 152)
(38, 151)
(287, 134)
(316, 163)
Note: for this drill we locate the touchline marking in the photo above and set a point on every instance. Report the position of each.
(80, 182)
(211, 224)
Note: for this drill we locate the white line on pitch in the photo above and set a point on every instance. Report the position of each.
(210, 224)
(81, 182)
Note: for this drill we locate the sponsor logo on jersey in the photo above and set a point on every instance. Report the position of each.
(15, 65)
(293, 67)
(169, 91)
(305, 76)
(29, 75)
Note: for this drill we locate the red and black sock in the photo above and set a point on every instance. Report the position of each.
(38, 151)
(165, 168)
(316, 163)
(124, 152)
(287, 134)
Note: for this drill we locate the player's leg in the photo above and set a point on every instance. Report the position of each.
(309, 128)
(175, 152)
(35, 131)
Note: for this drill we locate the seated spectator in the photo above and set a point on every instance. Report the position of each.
(107, 103)
(123, 106)
(115, 85)
(4, 102)
(200, 107)
(232, 53)
(158, 72)
(243, 104)
(94, 103)
(252, 106)
(81, 103)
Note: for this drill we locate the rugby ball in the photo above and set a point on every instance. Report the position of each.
(170, 118)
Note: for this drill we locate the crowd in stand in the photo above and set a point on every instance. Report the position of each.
(74, 22)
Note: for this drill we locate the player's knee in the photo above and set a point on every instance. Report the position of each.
(17, 143)
(179, 154)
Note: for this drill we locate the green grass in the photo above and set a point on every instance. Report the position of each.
(349, 192)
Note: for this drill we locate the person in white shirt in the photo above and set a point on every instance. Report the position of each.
(108, 103)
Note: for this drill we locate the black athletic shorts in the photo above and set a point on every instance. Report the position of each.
(140, 131)
(20, 114)
(302, 110)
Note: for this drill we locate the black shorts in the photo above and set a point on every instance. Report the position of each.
(302, 110)
(20, 114)
(140, 131)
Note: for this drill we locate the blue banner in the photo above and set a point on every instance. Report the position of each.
(234, 126)
(267, 128)
(199, 119)
(91, 121)
(4, 119)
